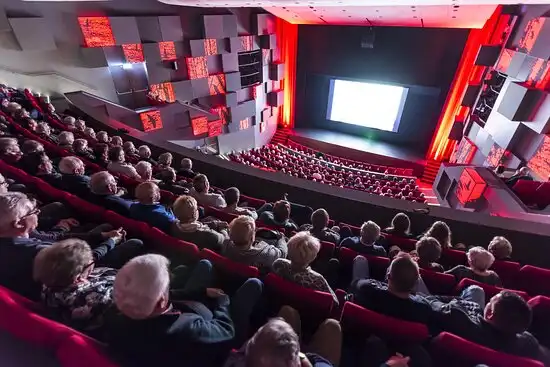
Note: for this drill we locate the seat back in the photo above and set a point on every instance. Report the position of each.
(542, 195)
(438, 283)
(354, 229)
(406, 244)
(508, 271)
(185, 251)
(133, 227)
(219, 214)
(80, 351)
(534, 280)
(377, 265)
(233, 274)
(451, 350)
(526, 191)
(251, 201)
(540, 306)
(451, 258)
(357, 320)
(490, 290)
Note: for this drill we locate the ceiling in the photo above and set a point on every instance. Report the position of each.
(408, 13)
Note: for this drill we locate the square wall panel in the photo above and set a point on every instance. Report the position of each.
(170, 28)
(265, 24)
(33, 34)
(125, 30)
(213, 26)
(149, 29)
(230, 63)
(229, 26)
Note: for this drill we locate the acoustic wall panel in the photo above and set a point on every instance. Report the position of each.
(231, 99)
(197, 48)
(230, 63)
(149, 29)
(171, 28)
(518, 102)
(233, 81)
(201, 88)
(276, 72)
(275, 98)
(235, 45)
(265, 24)
(33, 34)
(230, 26)
(93, 57)
(183, 90)
(488, 55)
(213, 26)
(125, 30)
(268, 41)
(536, 38)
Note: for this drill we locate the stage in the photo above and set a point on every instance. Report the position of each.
(359, 148)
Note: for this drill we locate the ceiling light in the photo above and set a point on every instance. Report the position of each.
(126, 66)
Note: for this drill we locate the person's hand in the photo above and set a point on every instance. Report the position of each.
(398, 361)
(67, 224)
(222, 225)
(116, 235)
(214, 292)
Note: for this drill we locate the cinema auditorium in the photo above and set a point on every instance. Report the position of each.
(274, 183)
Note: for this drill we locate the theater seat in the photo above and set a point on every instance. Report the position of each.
(451, 350)
(354, 229)
(534, 280)
(406, 244)
(451, 258)
(526, 191)
(357, 320)
(94, 211)
(79, 351)
(490, 290)
(231, 274)
(508, 271)
(377, 265)
(252, 202)
(133, 227)
(182, 250)
(219, 214)
(540, 306)
(438, 283)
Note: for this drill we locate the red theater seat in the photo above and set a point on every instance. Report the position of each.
(451, 350)
(171, 244)
(526, 191)
(534, 280)
(438, 283)
(220, 214)
(357, 320)
(377, 265)
(133, 227)
(541, 319)
(542, 195)
(406, 244)
(508, 271)
(490, 290)
(250, 201)
(230, 267)
(354, 229)
(450, 258)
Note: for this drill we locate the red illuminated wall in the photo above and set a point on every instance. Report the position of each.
(199, 125)
(215, 128)
(287, 38)
(470, 186)
(210, 47)
(504, 60)
(133, 53)
(223, 113)
(530, 35)
(495, 156)
(163, 91)
(167, 51)
(196, 67)
(151, 120)
(216, 84)
(247, 43)
(244, 124)
(540, 162)
(97, 31)
(464, 152)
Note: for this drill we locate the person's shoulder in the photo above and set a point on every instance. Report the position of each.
(281, 264)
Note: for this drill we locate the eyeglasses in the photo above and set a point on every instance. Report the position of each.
(3, 183)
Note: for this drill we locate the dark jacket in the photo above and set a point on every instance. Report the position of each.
(268, 218)
(199, 234)
(157, 215)
(188, 335)
(324, 234)
(112, 202)
(354, 243)
(460, 272)
(76, 184)
(187, 173)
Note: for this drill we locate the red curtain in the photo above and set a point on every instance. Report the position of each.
(287, 42)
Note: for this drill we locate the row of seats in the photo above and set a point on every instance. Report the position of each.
(533, 193)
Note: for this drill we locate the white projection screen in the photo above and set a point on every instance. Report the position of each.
(367, 104)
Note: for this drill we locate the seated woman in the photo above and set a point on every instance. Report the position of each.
(72, 286)
(479, 260)
(243, 247)
(429, 251)
(400, 226)
(168, 182)
(118, 164)
(66, 140)
(188, 228)
(501, 248)
(101, 151)
(279, 216)
(302, 250)
(441, 232)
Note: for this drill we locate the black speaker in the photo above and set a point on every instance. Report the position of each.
(174, 65)
(488, 55)
(367, 40)
(457, 131)
(470, 95)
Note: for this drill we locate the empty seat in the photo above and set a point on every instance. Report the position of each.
(490, 290)
(438, 283)
(450, 258)
(534, 280)
(541, 319)
(508, 271)
(252, 202)
(526, 191)
(451, 350)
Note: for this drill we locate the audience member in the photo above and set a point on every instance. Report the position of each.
(186, 168)
(400, 226)
(232, 196)
(10, 152)
(45, 132)
(71, 284)
(521, 174)
(164, 160)
(116, 141)
(102, 154)
(501, 248)
(441, 232)
(118, 164)
(168, 182)
(89, 133)
(104, 190)
(302, 250)
(69, 122)
(148, 209)
(145, 171)
(144, 153)
(66, 140)
(102, 137)
(29, 151)
(366, 244)
(479, 260)
(319, 227)
(196, 324)
(80, 125)
(211, 235)
(80, 148)
(243, 247)
(130, 150)
(279, 216)
(429, 252)
(73, 178)
(200, 189)
(40, 165)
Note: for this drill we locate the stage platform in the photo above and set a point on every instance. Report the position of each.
(359, 148)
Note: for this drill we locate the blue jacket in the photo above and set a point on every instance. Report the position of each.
(157, 215)
(354, 243)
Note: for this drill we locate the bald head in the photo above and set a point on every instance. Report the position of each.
(147, 193)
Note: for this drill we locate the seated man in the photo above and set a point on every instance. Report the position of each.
(144, 153)
(186, 168)
(318, 227)
(501, 248)
(145, 170)
(119, 165)
(232, 196)
(73, 178)
(201, 194)
(148, 209)
(80, 126)
(130, 150)
(193, 326)
(65, 140)
(117, 141)
(164, 161)
(45, 132)
(40, 165)
(520, 174)
(243, 247)
(168, 182)
(90, 133)
(80, 148)
(104, 190)
(429, 252)
(211, 235)
(10, 152)
(279, 216)
(103, 137)
(366, 244)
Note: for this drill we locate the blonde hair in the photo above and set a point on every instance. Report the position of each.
(303, 249)
(58, 265)
(370, 232)
(242, 231)
(186, 209)
(500, 247)
(140, 284)
(479, 258)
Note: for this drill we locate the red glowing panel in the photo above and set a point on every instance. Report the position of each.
(151, 120)
(540, 163)
(199, 125)
(163, 92)
(247, 43)
(216, 84)
(266, 56)
(254, 92)
(505, 60)
(244, 124)
(133, 53)
(494, 157)
(262, 126)
(223, 113)
(544, 81)
(530, 34)
(210, 47)
(167, 51)
(536, 72)
(470, 186)
(196, 67)
(215, 128)
(97, 31)
(464, 152)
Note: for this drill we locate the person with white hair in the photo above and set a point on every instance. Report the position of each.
(45, 132)
(501, 248)
(102, 137)
(149, 210)
(130, 150)
(69, 121)
(186, 168)
(89, 133)
(209, 235)
(164, 160)
(195, 324)
(302, 250)
(200, 192)
(243, 247)
(479, 261)
(10, 151)
(144, 153)
(117, 141)
(72, 285)
(366, 243)
(145, 171)
(65, 140)
(168, 182)
(104, 190)
(80, 148)
(13, 107)
(118, 163)
(521, 174)
(73, 177)
(80, 125)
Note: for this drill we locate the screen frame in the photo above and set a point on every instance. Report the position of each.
(396, 123)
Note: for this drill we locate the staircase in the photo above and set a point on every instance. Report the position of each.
(430, 172)
(280, 137)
